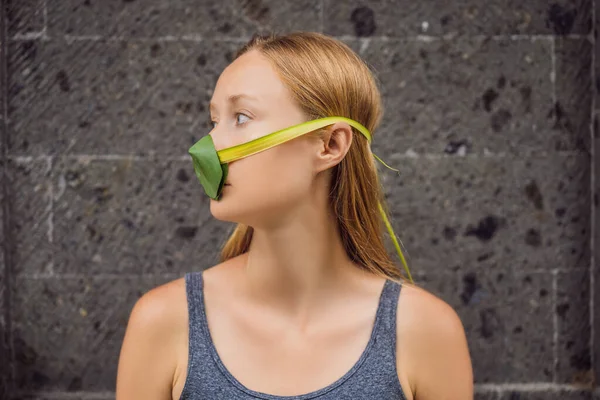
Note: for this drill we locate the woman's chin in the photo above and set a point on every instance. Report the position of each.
(221, 210)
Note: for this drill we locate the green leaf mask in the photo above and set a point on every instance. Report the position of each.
(211, 169)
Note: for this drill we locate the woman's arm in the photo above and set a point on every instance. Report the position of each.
(148, 361)
(438, 363)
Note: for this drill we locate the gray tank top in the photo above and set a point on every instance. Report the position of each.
(372, 377)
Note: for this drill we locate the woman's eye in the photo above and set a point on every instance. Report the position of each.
(242, 115)
(213, 124)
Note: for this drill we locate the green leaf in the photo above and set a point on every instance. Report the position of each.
(207, 166)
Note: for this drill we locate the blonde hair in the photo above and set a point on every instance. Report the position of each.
(327, 78)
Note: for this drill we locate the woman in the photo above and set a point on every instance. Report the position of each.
(305, 303)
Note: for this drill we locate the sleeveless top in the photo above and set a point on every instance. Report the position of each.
(373, 376)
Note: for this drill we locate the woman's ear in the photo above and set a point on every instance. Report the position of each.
(335, 143)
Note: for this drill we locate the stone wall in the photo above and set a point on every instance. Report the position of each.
(489, 115)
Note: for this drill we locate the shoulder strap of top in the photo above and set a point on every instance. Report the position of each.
(384, 351)
(389, 305)
(198, 346)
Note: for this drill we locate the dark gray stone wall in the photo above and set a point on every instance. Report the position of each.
(492, 115)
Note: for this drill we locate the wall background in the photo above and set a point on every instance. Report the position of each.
(491, 114)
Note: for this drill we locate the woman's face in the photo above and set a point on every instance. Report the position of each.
(250, 101)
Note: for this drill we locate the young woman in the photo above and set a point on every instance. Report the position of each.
(305, 303)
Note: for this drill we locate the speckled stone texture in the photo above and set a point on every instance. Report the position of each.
(492, 115)
(595, 282)
(4, 306)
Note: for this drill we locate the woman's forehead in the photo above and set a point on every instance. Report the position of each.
(251, 75)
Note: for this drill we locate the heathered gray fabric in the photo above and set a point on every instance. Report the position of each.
(373, 377)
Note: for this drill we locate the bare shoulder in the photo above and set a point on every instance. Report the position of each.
(155, 343)
(432, 347)
(162, 308)
(163, 311)
(422, 313)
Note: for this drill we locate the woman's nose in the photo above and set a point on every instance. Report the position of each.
(218, 140)
(222, 139)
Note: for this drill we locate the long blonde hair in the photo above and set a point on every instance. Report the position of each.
(327, 78)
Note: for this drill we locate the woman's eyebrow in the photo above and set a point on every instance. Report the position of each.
(234, 98)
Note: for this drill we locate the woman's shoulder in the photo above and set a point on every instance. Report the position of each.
(417, 304)
(162, 308)
(431, 340)
(166, 305)
(156, 338)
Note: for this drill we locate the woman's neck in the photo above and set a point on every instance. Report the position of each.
(298, 265)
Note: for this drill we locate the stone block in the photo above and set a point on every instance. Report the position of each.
(3, 276)
(32, 227)
(490, 213)
(111, 216)
(573, 315)
(486, 395)
(24, 17)
(468, 96)
(171, 84)
(596, 41)
(6, 363)
(229, 18)
(67, 333)
(465, 17)
(595, 270)
(66, 96)
(64, 396)
(571, 113)
(549, 394)
(131, 217)
(508, 318)
(112, 97)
